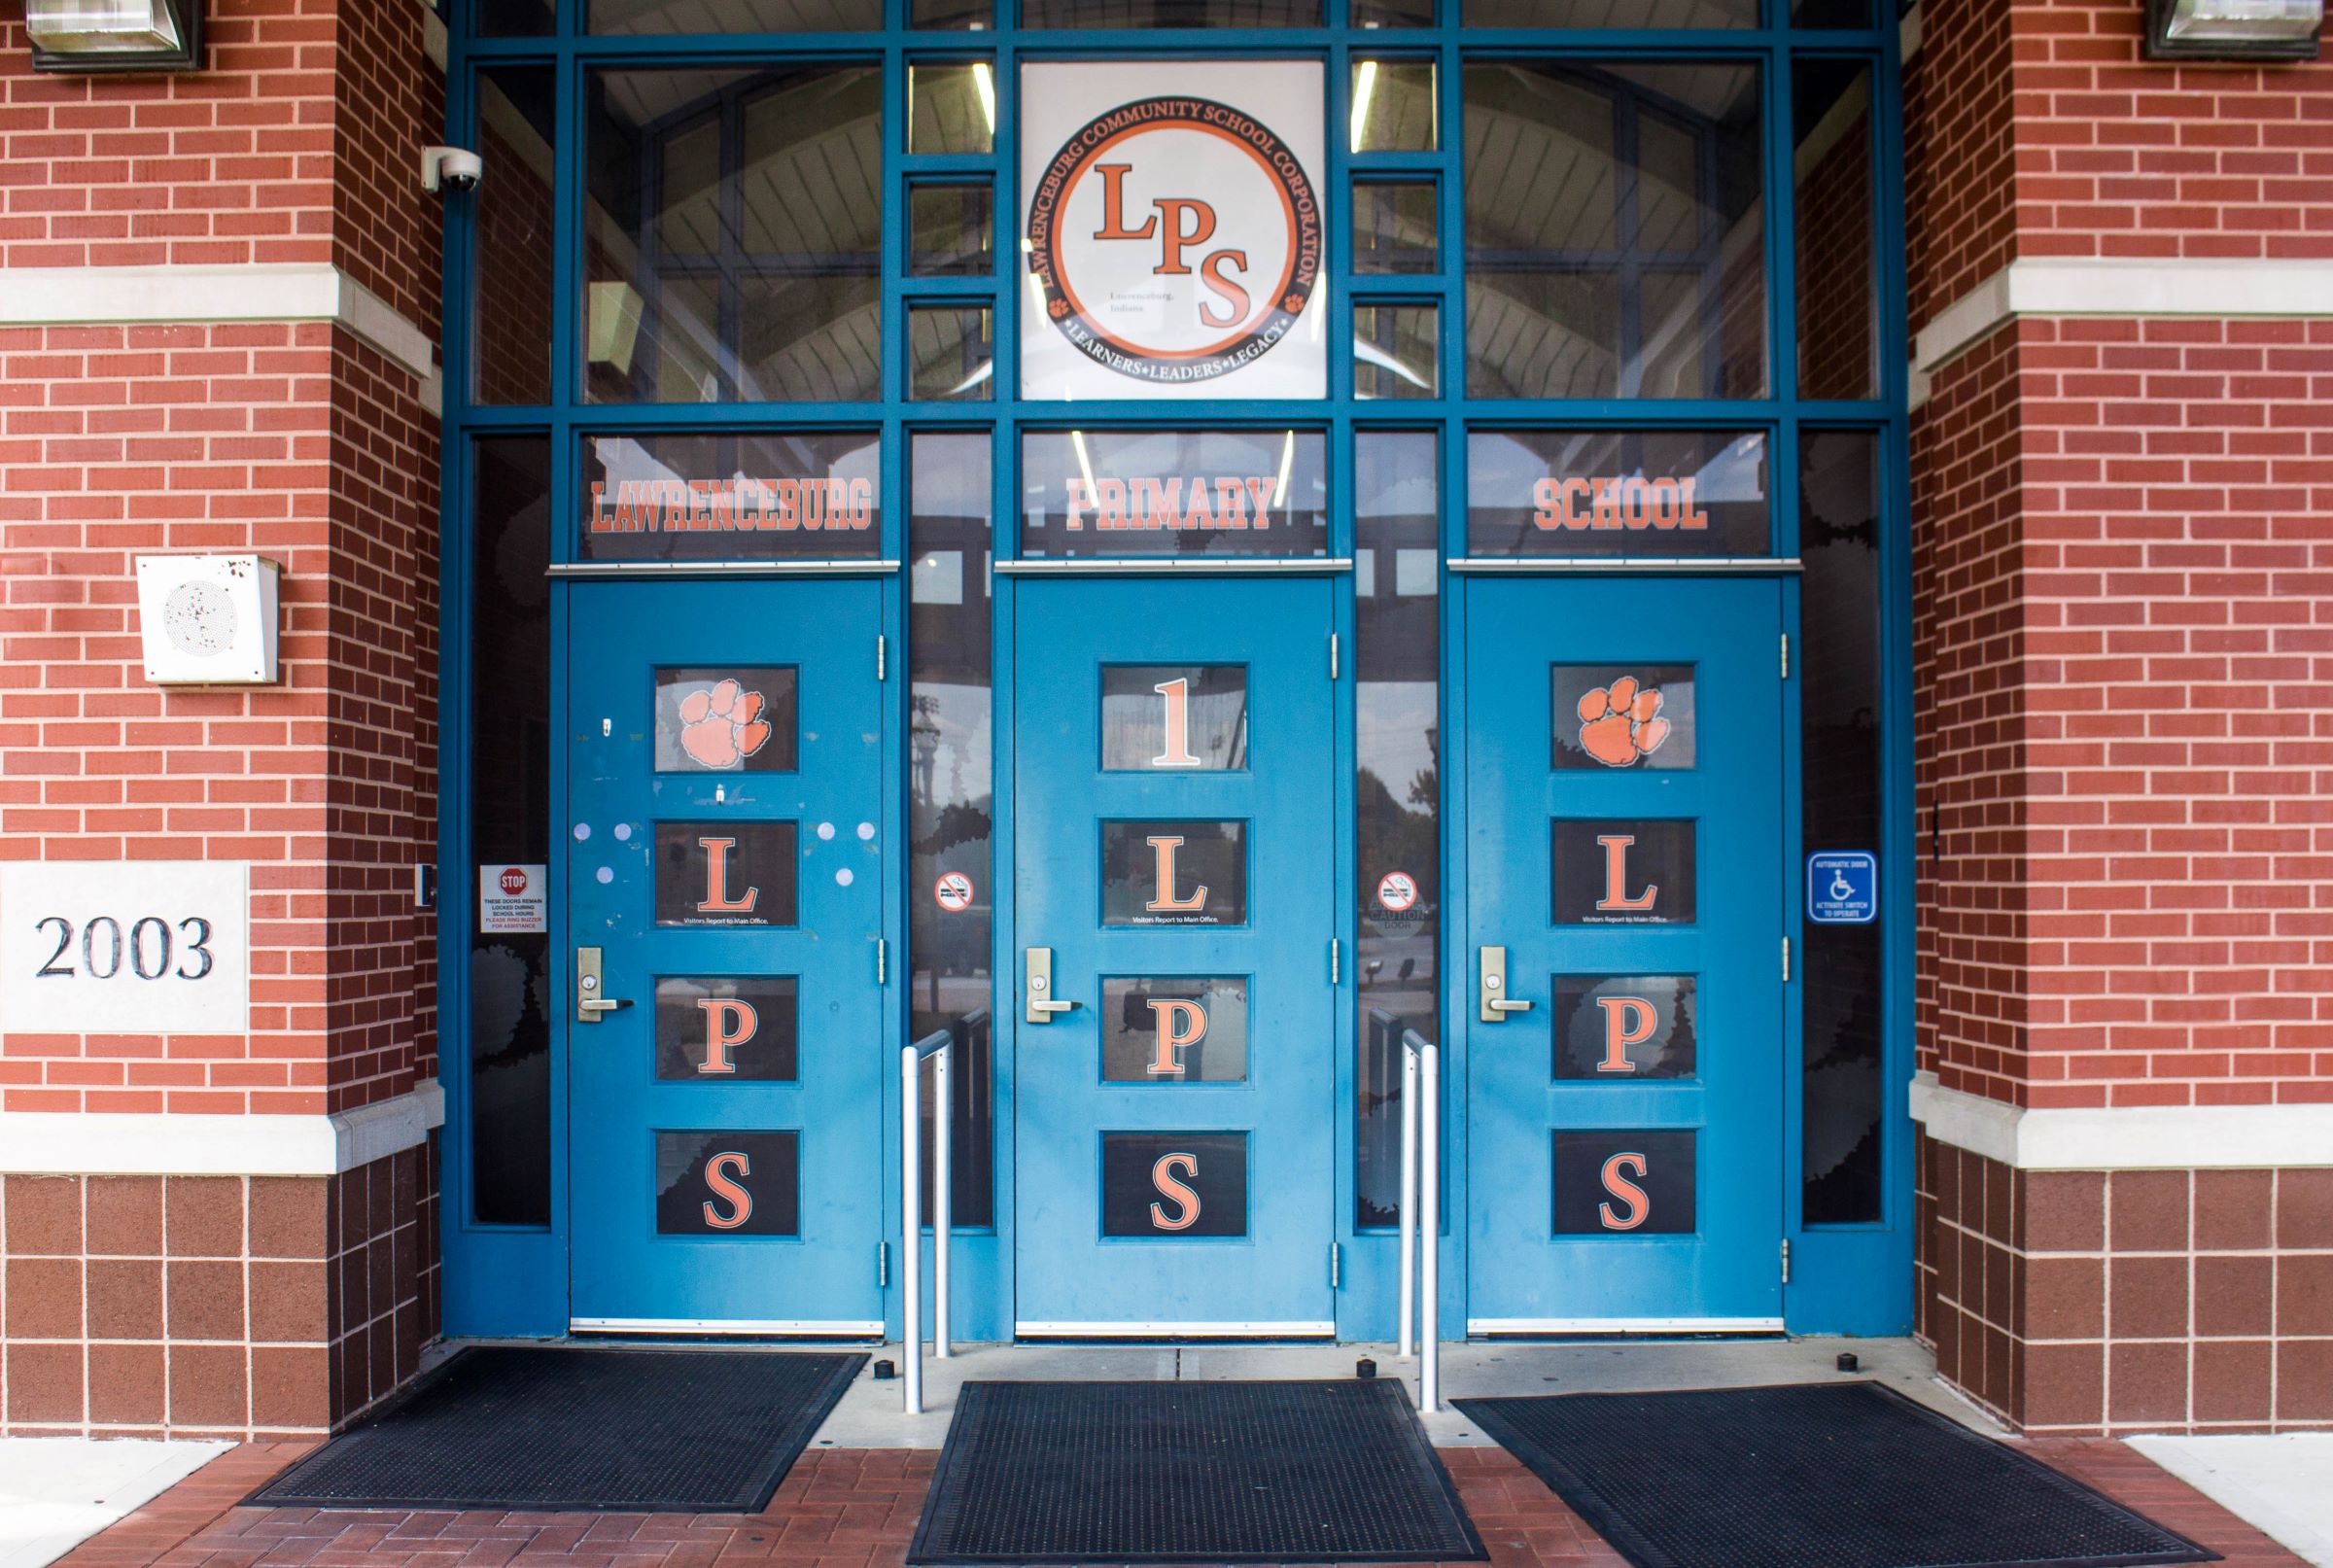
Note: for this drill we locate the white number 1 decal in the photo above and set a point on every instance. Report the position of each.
(1177, 754)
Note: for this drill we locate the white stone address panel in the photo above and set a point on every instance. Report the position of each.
(145, 947)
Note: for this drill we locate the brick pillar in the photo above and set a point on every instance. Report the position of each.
(2122, 286)
(227, 1232)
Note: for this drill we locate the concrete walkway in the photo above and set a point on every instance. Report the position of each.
(2283, 1486)
(57, 1493)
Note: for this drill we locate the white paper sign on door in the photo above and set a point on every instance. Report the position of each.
(138, 947)
(1171, 211)
(514, 898)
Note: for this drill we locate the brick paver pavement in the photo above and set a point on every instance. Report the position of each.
(858, 1509)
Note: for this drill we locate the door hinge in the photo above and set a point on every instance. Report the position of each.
(883, 1266)
(1335, 954)
(1786, 960)
(1332, 656)
(1336, 1265)
(1786, 1260)
(882, 962)
(882, 646)
(1786, 655)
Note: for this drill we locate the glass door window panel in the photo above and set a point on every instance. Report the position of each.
(1615, 227)
(733, 235)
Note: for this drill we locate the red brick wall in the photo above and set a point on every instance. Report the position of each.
(2123, 714)
(2119, 155)
(1960, 158)
(233, 163)
(303, 444)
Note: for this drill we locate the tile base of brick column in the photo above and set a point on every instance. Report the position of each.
(2087, 1302)
(214, 1305)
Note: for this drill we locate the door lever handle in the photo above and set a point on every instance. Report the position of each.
(590, 975)
(1496, 1003)
(1038, 974)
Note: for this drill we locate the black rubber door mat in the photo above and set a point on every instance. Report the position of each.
(540, 1428)
(1190, 1472)
(1848, 1475)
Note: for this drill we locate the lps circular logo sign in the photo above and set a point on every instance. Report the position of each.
(1174, 239)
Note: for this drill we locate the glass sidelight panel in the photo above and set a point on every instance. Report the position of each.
(1615, 231)
(1837, 211)
(733, 235)
(510, 1047)
(1173, 1031)
(1840, 810)
(510, 289)
(1397, 693)
(950, 801)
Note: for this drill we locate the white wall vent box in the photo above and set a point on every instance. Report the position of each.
(208, 620)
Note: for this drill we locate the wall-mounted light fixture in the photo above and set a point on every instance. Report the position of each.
(115, 35)
(2234, 29)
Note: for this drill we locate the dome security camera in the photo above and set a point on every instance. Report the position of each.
(450, 168)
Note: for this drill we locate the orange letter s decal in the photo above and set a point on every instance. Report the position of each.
(1640, 1206)
(1162, 1176)
(725, 1186)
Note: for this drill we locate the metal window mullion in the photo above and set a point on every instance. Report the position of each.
(1781, 238)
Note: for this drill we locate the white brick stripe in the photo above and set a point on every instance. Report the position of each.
(2111, 287)
(2137, 1137)
(64, 1143)
(259, 291)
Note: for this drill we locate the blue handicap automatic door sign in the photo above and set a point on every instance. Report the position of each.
(1842, 888)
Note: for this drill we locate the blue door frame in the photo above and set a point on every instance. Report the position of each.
(515, 1280)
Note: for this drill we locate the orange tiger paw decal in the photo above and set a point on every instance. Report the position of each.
(1622, 722)
(720, 726)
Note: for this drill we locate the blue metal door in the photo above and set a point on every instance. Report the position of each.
(725, 870)
(1174, 779)
(1625, 894)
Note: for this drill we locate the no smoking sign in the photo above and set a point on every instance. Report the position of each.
(953, 892)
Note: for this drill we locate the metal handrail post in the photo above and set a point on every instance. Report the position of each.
(1429, 1221)
(911, 1228)
(943, 1194)
(1409, 1200)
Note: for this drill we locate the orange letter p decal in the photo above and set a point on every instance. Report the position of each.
(1627, 1021)
(729, 1020)
(1179, 1022)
